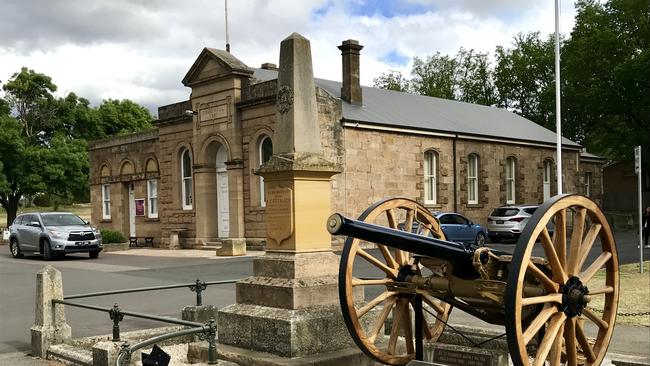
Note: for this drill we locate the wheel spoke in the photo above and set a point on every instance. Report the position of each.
(555, 355)
(589, 273)
(432, 302)
(408, 330)
(553, 260)
(379, 323)
(374, 281)
(603, 325)
(559, 236)
(394, 332)
(408, 224)
(549, 338)
(541, 299)
(391, 272)
(538, 322)
(387, 256)
(549, 284)
(374, 302)
(587, 243)
(576, 240)
(584, 343)
(570, 342)
(602, 290)
(425, 327)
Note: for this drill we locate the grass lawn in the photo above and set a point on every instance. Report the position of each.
(81, 209)
(634, 293)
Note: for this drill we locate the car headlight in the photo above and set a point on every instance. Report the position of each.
(56, 234)
(96, 231)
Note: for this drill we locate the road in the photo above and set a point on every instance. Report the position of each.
(116, 271)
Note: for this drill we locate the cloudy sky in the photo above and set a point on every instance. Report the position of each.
(141, 49)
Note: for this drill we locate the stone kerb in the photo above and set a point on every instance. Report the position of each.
(50, 325)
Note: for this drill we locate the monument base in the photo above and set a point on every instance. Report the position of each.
(197, 352)
(283, 332)
(232, 247)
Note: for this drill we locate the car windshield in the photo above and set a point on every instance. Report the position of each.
(62, 220)
(505, 211)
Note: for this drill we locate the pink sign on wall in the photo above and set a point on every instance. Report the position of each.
(139, 207)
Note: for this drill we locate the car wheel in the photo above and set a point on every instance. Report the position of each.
(480, 239)
(15, 249)
(93, 255)
(47, 251)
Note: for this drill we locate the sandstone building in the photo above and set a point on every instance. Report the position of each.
(194, 174)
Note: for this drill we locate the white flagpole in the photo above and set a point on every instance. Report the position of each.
(558, 122)
(227, 35)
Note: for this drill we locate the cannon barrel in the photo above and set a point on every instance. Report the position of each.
(455, 253)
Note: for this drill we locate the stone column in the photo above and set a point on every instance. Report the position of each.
(205, 202)
(289, 307)
(49, 326)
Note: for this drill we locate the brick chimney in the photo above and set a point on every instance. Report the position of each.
(351, 89)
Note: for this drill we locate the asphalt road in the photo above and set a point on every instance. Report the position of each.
(113, 271)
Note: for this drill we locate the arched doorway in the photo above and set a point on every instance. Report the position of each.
(223, 207)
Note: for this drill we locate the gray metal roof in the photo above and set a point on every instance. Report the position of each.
(412, 111)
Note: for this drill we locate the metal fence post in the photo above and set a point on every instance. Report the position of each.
(198, 287)
(210, 335)
(116, 316)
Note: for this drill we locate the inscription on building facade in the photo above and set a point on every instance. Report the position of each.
(279, 214)
(214, 112)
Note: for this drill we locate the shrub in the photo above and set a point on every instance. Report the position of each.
(42, 200)
(112, 236)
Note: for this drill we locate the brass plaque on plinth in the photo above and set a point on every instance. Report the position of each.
(279, 214)
(457, 357)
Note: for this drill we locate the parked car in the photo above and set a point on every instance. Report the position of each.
(460, 229)
(53, 234)
(507, 222)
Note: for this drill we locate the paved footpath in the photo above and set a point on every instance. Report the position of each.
(629, 342)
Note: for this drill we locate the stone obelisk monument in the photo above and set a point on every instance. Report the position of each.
(289, 307)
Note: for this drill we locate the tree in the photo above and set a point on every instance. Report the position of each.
(475, 78)
(43, 139)
(391, 81)
(118, 117)
(606, 64)
(525, 78)
(435, 77)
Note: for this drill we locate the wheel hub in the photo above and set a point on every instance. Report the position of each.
(575, 297)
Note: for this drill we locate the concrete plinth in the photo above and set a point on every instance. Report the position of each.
(50, 325)
(232, 247)
(105, 353)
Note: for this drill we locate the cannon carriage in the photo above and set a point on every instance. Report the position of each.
(399, 279)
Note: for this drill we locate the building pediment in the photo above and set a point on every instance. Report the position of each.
(214, 64)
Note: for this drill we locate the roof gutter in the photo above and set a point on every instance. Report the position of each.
(370, 126)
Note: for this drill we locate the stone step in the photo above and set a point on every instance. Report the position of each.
(70, 355)
(211, 245)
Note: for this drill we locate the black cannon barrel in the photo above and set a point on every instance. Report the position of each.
(456, 253)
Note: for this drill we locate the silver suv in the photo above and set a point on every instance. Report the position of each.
(508, 222)
(53, 234)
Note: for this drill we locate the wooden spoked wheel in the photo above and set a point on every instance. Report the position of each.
(374, 270)
(571, 322)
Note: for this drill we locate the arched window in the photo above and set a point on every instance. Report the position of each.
(472, 179)
(431, 177)
(510, 180)
(546, 179)
(186, 180)
(265, 150)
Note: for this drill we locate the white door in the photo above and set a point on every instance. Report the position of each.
(223, 207)
(131, 210)
(547, 180)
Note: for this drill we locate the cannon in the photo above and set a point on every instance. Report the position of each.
(556, 293)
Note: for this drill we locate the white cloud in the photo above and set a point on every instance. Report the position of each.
(141, 50)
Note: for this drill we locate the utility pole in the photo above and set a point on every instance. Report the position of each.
(637, 170)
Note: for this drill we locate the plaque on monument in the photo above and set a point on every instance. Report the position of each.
(461, 356)
(279, 213)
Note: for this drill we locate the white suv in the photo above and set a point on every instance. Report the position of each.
(508, 222)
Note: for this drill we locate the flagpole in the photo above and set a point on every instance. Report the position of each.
(558, 122)
(227, 35)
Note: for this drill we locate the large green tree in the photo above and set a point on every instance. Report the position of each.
(606, 68)
(43, 139)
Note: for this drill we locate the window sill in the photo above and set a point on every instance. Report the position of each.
(261, 209)
(433, 206)
(152, 219)
(475, 205)
(105, 221)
